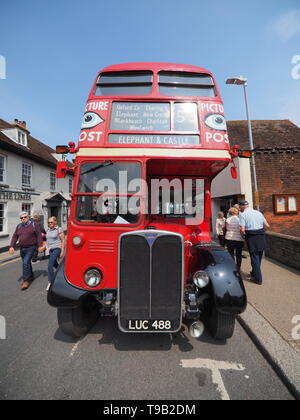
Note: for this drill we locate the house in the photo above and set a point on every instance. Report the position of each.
(28, 180)
(277, 159)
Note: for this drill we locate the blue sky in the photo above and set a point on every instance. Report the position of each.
(54, 49)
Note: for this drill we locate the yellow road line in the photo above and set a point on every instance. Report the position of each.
(9, 262)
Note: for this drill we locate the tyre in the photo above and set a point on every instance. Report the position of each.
(78, 321)
(221, 326)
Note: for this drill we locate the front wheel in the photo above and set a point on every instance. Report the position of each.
(221, 326)
(76, 322)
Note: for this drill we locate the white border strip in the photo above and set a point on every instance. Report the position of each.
(176, 153)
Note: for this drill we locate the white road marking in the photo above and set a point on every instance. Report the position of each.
(215, 367)
(75, 347)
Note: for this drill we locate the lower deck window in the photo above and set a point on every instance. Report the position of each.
(108, 209)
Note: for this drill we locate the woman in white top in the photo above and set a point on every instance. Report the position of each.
(234, 240)
(56, 246)
(220, 226)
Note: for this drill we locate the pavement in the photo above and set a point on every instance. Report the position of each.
(272, 318)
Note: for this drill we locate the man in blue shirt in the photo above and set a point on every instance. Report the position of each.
(252, 227)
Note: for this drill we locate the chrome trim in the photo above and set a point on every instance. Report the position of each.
(143, 234)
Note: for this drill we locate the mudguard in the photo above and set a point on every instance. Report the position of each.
(62, 294)
(228, 290)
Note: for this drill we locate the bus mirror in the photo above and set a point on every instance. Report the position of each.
(61, 169)
(61, 150)
(237, 152)
(245, 154)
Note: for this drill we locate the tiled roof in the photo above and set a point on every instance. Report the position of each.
(35, 150)
(267, 134)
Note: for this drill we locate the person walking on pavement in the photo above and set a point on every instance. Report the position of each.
(37, 219)
(56, 246)
(252, 226)
(28, 236)
(220, 226)
(234, 240)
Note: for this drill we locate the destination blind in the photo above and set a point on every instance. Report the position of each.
(154, 139)
(140, 116)
(151, 117)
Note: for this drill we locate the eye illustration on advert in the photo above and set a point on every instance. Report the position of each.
(216, 122)
(90, 120)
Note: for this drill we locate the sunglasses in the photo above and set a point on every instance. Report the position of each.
(24, 217)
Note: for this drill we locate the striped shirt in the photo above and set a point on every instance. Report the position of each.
(53, 239)
(233, 229)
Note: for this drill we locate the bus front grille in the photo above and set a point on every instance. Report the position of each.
(150, 281)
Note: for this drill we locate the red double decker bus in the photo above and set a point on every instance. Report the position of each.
(153, 137)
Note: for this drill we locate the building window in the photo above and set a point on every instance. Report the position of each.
(70, 185)
(2, 169)
(285, 203)
(52, 181)
(2, 217)
(26, 207)
(21, 138)
(26, 175)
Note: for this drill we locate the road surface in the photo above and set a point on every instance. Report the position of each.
(38, 362)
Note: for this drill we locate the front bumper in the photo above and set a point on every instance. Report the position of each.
(62, 294)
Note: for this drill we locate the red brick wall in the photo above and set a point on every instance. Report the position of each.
(279, 173)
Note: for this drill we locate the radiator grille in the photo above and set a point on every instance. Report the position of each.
(150, 278)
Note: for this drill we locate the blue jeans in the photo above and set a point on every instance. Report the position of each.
(256, 258)
(52, 263)
(26, 255)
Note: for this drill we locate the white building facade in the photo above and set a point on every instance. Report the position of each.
(28, 181)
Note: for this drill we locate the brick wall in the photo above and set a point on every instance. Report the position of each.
(284, 248)
(278, 172)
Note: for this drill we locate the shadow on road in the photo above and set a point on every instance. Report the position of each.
(108, 329)
(36, 275)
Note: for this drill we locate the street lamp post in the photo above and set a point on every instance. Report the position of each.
(243, 81)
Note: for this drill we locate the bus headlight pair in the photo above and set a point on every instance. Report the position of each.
(201, 279)
(92, 277)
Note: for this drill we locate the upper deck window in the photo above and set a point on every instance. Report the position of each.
(173, 83)
(124, 83)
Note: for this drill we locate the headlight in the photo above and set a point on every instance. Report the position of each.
(201, 279)
(92, 277)
(77, 240)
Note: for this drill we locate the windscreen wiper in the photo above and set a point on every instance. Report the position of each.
(102, 165)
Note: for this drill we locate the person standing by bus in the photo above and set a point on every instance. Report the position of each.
(37, 218)
(55, 243)
(220, 227)
(28, 236)
(252, 227)
(234, 240)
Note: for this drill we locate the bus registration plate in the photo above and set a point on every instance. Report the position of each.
(149, 325)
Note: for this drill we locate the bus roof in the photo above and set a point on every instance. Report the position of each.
(155, 67)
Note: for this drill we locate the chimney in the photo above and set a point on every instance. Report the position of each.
(20, 124)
